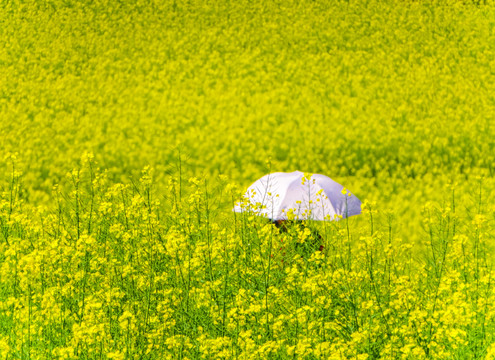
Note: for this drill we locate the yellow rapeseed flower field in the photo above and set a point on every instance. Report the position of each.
(129, 128)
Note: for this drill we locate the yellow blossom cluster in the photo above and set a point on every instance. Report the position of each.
(128, 129)
(114, 272)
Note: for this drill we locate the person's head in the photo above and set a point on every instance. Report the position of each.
(280, 223)
(284, 225)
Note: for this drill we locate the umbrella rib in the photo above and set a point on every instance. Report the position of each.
(266, 187)
(332, 208)
(282, 198)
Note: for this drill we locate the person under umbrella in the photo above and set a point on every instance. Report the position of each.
(316, 240)
(285, 198)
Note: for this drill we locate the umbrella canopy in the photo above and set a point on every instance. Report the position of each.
(299, 196)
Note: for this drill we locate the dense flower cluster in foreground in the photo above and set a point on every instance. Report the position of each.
(112, 272)
(393, 99)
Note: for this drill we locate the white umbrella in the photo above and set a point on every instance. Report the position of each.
(299, 196)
